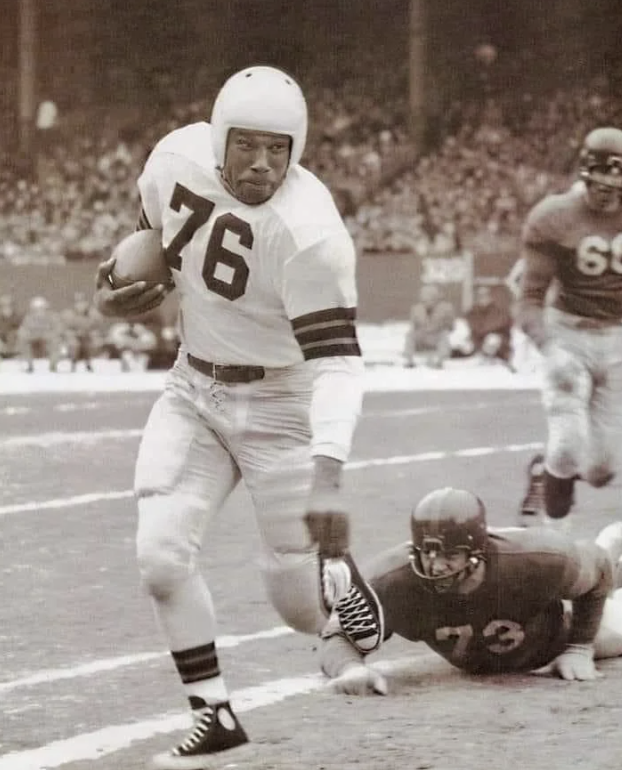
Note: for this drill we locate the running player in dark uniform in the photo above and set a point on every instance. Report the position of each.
(572, 244)
(488, 601)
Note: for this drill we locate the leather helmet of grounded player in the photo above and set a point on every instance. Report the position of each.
(600, 167)
(449, 538)
(259, 129)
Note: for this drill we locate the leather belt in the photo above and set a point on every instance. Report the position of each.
(229, 373)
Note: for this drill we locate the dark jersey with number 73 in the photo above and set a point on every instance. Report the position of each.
(517, 619)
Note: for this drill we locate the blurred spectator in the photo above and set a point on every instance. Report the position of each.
(82, 332)
(10, 321)
(164, 353)
(131, 342)
(162, 323)
(431, 321)
(488, 328)
(40, 334)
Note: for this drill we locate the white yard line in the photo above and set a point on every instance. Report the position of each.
(113, 738)
(355, 465)
(46, 440)
(55, 438)
(46, 676)
(65, 502)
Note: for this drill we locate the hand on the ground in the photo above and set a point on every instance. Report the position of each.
(359, 679)
(575, 663)
(133, 300)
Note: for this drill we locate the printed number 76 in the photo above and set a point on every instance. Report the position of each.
(215, 253)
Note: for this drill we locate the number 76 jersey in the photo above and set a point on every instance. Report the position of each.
(266, 285)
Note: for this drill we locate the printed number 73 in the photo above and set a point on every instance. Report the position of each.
(501, 636)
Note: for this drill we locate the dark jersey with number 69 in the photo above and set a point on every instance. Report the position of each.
(515, 620)
(581, 249)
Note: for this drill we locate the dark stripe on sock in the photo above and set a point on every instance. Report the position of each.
(197, 663)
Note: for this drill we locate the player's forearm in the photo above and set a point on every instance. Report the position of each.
(336, 654)
(530, 318)
(335, 408)
(537, 276)
(587, 613)
(588, 605)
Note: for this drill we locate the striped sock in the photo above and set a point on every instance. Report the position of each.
(200, 674)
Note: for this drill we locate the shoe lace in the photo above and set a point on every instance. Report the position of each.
(203, 720)
(355, 616)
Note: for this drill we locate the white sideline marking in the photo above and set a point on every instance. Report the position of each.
(107, 740)
(96, 497)
(45, 676)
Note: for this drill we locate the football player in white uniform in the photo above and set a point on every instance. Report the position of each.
(573, 243)
(267, 387)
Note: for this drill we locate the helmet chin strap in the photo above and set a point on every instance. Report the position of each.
(463, 572)
(614, 203)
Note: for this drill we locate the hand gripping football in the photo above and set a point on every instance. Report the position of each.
(140, 257)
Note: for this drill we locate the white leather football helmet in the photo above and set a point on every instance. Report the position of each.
(260, 99)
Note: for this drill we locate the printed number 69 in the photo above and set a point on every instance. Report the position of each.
(595, 254)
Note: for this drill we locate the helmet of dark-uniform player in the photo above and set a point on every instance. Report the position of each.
(444, 522)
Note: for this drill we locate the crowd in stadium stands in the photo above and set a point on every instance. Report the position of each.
(81, 195)
(78, 334)
(489, 157)
(491, 161)
(478, 183)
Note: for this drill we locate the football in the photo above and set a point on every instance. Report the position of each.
(140, 257)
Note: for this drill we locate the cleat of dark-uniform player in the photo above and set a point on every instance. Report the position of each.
(532, 505)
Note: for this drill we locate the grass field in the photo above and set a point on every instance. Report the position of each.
(86, 683)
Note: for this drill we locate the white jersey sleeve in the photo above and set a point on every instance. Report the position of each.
(319, 293)
(336, 404)
(318, 278)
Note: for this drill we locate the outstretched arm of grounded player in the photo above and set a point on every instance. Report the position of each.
(345, 666)
(588, 584)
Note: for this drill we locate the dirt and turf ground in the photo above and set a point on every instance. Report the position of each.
(86, 684)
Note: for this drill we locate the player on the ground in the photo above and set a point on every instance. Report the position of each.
(267, 387)
(574, 240)
(488, 601)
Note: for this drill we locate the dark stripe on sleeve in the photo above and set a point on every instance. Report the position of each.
(327, 333)
(332, 314)
(143, 221)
